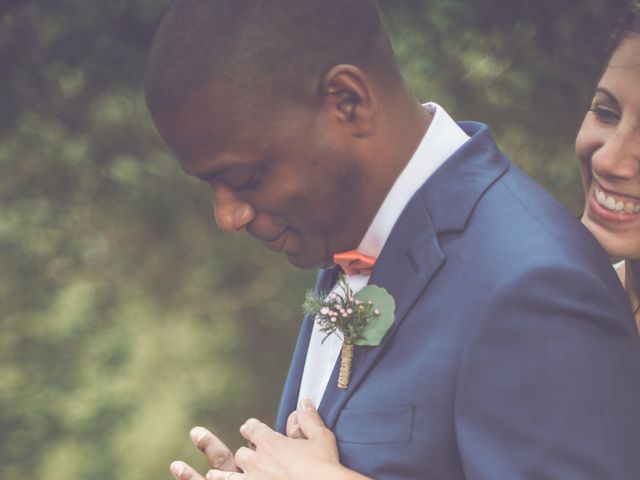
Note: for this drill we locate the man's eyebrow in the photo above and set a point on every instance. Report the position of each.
(607, 93)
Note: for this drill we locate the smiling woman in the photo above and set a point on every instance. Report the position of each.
(608, 148)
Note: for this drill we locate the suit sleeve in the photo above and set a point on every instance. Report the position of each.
(549, 383)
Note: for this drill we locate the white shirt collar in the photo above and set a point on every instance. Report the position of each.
(443, 137)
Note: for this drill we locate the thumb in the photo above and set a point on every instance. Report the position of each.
(309, 420)
(293, 429)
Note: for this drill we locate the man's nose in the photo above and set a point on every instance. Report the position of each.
(618, 157)
(232, 214)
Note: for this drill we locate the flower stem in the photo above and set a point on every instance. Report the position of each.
(345, 365)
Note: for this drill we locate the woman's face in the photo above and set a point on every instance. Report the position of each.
(608, 148)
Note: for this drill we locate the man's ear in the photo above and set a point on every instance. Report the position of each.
(348, 94)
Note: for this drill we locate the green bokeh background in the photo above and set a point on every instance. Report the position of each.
(125, 316)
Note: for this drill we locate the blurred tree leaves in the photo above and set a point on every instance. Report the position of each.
(525, 68)
(125, 317)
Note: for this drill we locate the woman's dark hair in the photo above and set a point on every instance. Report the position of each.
(628, 25)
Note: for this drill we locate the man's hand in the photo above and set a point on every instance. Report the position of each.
(293, 427)
(312, 455)
(218, 456)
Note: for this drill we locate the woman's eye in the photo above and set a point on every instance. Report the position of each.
(605, 114)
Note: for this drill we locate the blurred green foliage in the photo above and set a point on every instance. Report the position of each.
(125, 317)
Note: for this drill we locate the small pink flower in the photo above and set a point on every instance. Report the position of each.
(349, 311)
(324, 311)
(376, 311)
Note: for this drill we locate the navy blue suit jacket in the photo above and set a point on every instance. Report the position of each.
(514, 354)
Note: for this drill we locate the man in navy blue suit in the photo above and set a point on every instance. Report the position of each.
(513, 353)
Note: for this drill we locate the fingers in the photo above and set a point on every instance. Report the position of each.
(254, 430)
(309, 421)
(242, 457)
(218, 454)
(220, 475)
(293, 428)
(182, 471)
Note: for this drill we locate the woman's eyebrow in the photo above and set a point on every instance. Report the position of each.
(608, 94)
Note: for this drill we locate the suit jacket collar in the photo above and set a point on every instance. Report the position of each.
(453, 191)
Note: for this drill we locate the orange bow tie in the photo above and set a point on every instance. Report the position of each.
(354, 262)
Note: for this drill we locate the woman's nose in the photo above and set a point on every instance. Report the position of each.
(618, 157)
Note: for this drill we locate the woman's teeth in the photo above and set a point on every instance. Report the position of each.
(614, 205)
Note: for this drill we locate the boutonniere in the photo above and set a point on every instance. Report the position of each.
(362, 318)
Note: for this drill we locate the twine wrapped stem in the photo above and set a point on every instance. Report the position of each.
(345, 365)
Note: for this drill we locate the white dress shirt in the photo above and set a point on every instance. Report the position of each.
(443, 137)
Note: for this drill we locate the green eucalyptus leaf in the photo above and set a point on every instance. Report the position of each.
(378, 326)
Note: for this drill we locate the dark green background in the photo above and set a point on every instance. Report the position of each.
(126, 317)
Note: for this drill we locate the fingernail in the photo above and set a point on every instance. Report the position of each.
(197, 434)
(176, 468)
(210, 475)
(307, 404)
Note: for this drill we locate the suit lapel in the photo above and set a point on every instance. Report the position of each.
(289, 399)
(412, 254)
(404, 273)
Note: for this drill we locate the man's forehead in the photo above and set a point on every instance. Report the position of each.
(195, 125)
(210, 112)
(206, 150)
(186, 135)
(204, 109)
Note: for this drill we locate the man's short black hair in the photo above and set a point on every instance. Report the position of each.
(271, 48)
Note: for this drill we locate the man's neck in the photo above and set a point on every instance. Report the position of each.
(403, 132)
(400, 132)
